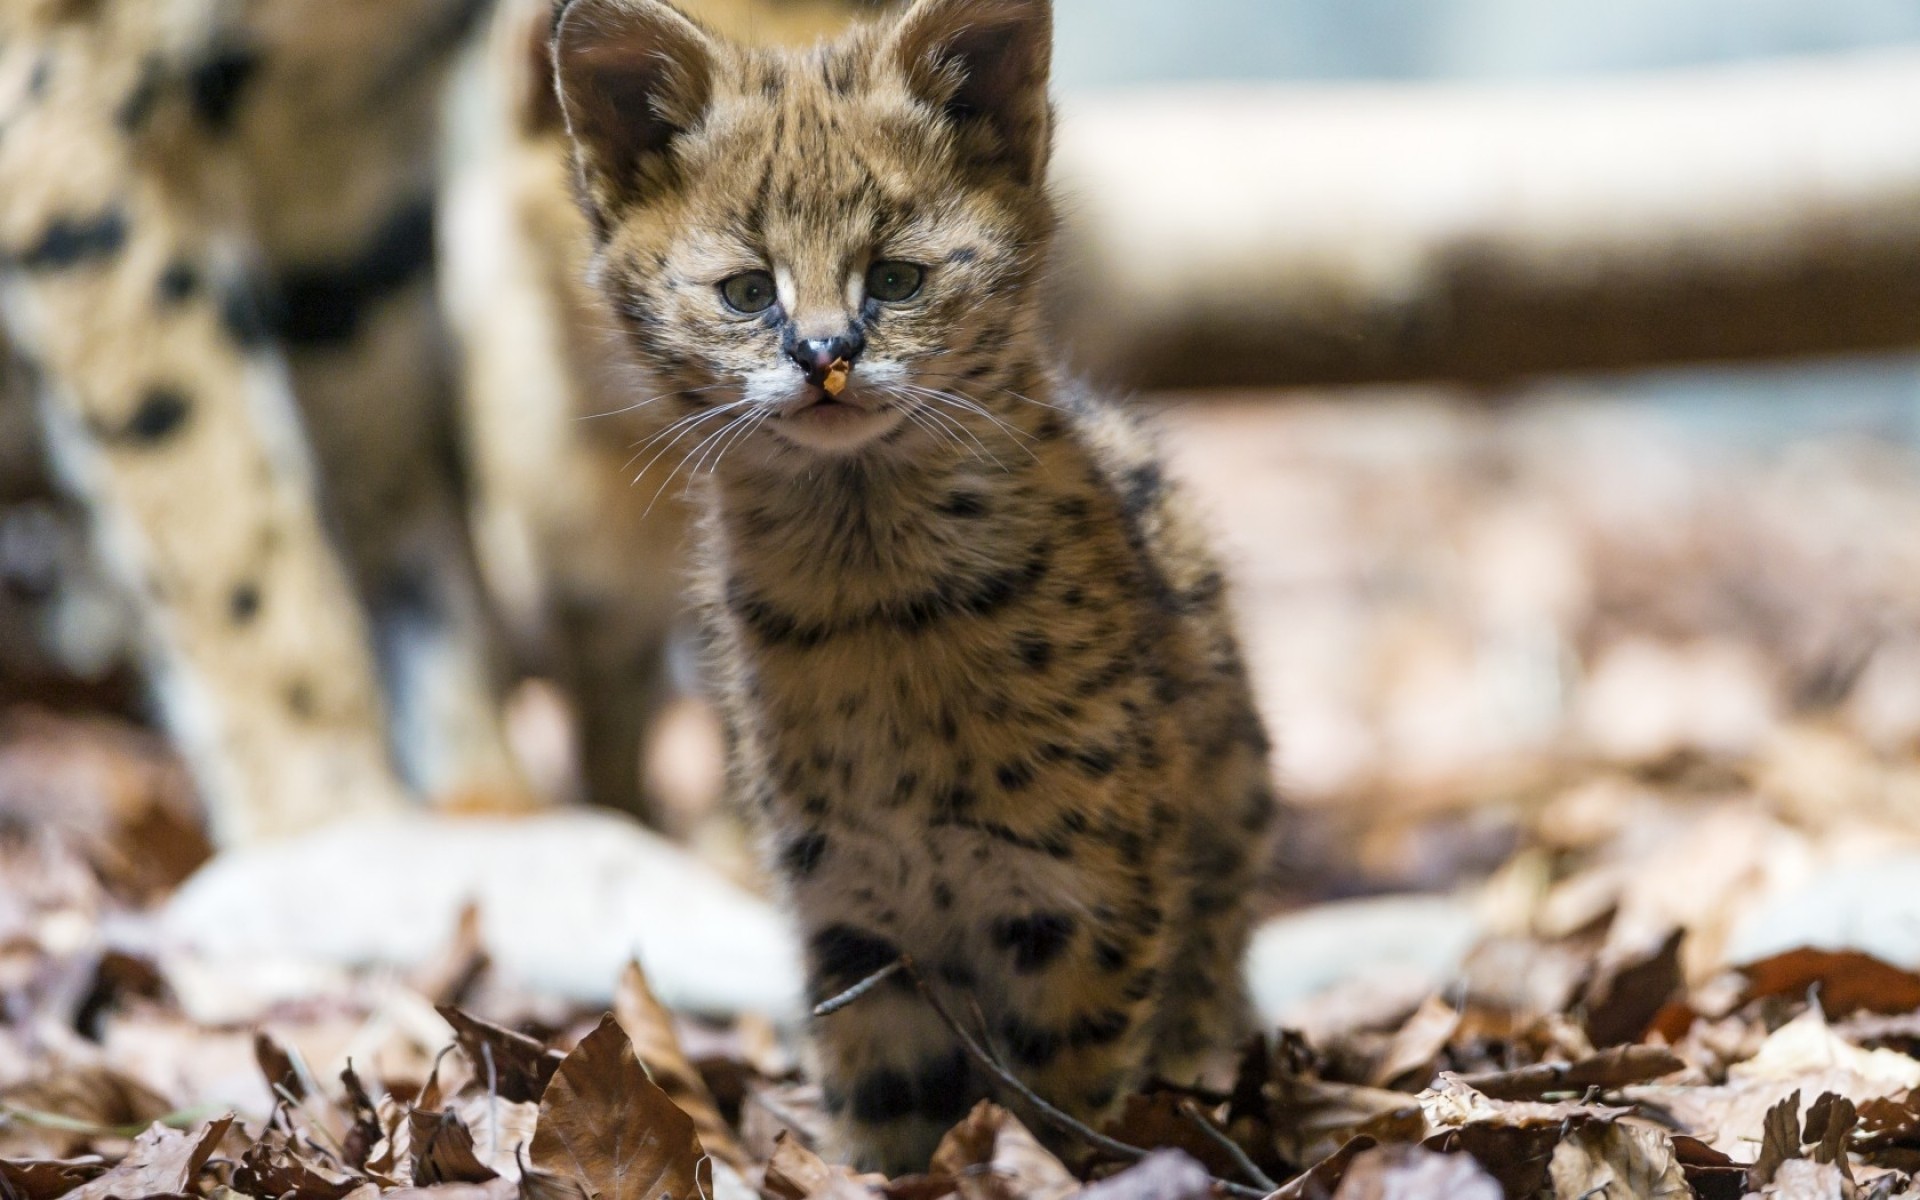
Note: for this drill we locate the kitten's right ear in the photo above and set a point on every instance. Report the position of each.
(631, 76)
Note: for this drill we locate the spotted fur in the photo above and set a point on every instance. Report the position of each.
(975, 658)
(212, 210)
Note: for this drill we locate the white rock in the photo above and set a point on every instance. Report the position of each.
(565, 900)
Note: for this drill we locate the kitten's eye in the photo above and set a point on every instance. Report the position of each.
(748, 292)
(893, 281)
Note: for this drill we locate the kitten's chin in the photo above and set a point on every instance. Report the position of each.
(830, 427)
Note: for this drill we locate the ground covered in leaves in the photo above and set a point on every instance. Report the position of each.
(1642, 715)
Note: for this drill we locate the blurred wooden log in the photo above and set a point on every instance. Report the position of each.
(1295, 235)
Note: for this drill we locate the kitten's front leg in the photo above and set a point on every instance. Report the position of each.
(895, 1077)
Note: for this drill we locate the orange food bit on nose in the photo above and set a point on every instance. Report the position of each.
(836, 380)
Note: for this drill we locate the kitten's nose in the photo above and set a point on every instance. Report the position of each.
(816, 356)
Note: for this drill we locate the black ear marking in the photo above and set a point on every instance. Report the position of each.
(631, 76)
(985, 64)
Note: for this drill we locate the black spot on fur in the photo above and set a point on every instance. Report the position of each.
(1110, 956)
(963, 504)
(1029, 1045)
(300, 699)
(881, 1095)
(1099, 1028)
(1013, 775)
(942, 1088)
(177, 284)
(957, 973)
(326, 305)
(1142, 489)
(69, 242)
(840, 956)
(1096, 762)
(955, 798)
(1034, 651)
(243, 603)
(243, 313)
(162, 412)
(942, 895)
(216, 83)
(964, 254)
(1035, 940)
(803, 853)
(1141, 985)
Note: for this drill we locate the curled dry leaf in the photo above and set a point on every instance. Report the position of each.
(443, 1150)
(650, 1026)
(797, 1173)
(992, 1156)
(271, 1172)
(512, 1064)
(610, 1128)
(1323, 1177)
(1618, 1161)
(1162, 1175)
(44, 1179)
(1413, 1173)
(162, 1162)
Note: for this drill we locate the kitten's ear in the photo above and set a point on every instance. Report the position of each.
(631, 76)
(984, 63)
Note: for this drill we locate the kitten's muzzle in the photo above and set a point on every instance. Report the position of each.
(821, 357)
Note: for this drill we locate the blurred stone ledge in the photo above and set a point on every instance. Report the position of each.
(565, 900)
(1237, 235)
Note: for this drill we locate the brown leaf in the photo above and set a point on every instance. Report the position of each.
(451, 974)
(1615, 1067)
(1617, 1162)
(443, 1151)
(1779, 1141)
(1849, 981)
(95, 1094)
(46, 1178)
(992, 1156)
(603, 1122)
(284, 1175)
(650, 1025)
(1162, 1175)
(1417, 1045)
(1413, 1173)
(512, 1064)
(1621, 1001)
(797, 1173)
(1156, 1121)
(276, 1064)
(493, 1189)
(162, 1161)
(1319, 1181)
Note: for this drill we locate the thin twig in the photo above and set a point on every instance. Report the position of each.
(1045, 1111)
(828, 1007)
(1224, 1140)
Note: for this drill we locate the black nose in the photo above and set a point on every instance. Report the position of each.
(817, 355)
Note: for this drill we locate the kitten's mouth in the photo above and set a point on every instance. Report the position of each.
(820, 421)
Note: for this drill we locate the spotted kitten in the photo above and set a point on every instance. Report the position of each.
(974, 656)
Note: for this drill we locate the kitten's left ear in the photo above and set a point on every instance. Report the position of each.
(984, 63)
(631, 75)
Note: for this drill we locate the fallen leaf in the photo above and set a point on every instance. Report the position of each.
(1848, 981)
(1623, 999)
(797, 1173)
(1617, 1161)
(1614, 1067)
(44, 1179)
(1414, 1173)
(650, 1026)
(991, 1156)
(1162, 1175)
(443, 1152)
(162, 1162)
(609, 1127)
(513, 1064)
(1417, 1045)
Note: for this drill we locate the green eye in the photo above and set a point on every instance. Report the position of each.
(748, 292)
(893, 280)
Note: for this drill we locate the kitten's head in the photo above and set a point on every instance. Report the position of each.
(821, 239)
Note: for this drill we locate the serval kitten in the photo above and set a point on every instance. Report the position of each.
(975, 659)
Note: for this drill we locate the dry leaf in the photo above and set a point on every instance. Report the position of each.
(991, 1156)
(609, 1127)
(1417, 1045)
(1619, 1161)
(1611, 1068)
(44, 1179)
(1162, 1175)
(797, 1173)
(513, 1064)
(162, 1162)
(1413, 1173)
(650, 1026)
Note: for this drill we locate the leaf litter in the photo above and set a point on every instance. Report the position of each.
(1620, 721)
